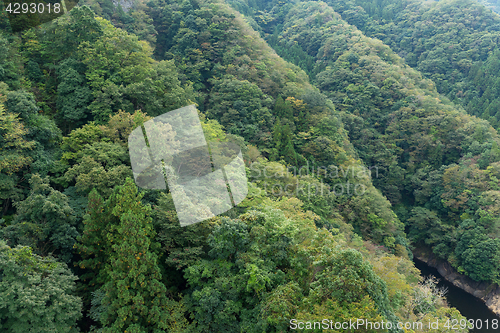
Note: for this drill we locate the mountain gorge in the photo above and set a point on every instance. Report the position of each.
(339, 96)
(394, 119)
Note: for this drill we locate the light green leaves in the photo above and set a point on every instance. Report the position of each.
(36, 293)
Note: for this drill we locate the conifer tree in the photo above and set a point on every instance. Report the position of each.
(45, 221)
(93, 244)
(288, 151)
(283, 109)
(129, 275)
(495, 152)
(279, 107)
(277, 141)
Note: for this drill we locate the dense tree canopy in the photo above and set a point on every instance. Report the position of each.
(355, 153)
(431, 157)
(37, 293)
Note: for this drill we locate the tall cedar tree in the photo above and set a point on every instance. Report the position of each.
(117, 243)
(283, 109)
(288, 150)
(275, 152)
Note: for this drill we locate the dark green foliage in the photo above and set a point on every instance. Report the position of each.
(478, 253)
(283, 109)
(124, 262)
(288, 150)
(290, 249)
(347, 278)
(44, 221)
(398, 122)
(277, 141)
(457, 47)
(135, 296)
(74, 95)
(181, 246)
(427, 228)
(34, 72)
(242, 108)
(22, 103)
(9, 71)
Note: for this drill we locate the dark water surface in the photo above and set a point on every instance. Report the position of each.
(468, 305)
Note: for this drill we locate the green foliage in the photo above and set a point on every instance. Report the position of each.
(74, 95)
(94, 81)
(39, 128)
(14, 146)
(127, 270)
(181, 246)
(288, 149)
(457, 47)
(22, 103)
(96, 156)
(258, 266)
(78, 138)
(346, 278)
(429, 156)
(18, 152)
(135, 296)
(36, 293)
(45, 222)
(302, 253)
(102, 166)
(478, 253)
(283, 109)
(132, 18)
(34, 72)
(9, 62)
(241, 107)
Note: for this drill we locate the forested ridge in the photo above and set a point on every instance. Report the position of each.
(454, 43)
(437, 160)
(294, 84)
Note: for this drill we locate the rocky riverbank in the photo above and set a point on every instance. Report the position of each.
(488, 292)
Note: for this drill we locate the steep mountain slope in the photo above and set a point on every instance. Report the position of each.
(277, 256)
(240, 81)
(454, 43)
(438, 164)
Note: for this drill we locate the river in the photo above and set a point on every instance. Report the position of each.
(468, 305)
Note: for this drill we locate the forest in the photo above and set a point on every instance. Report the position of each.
(393, 106)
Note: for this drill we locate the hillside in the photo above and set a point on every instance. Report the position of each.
(456, 47)
(355, 116)
(425, 146)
